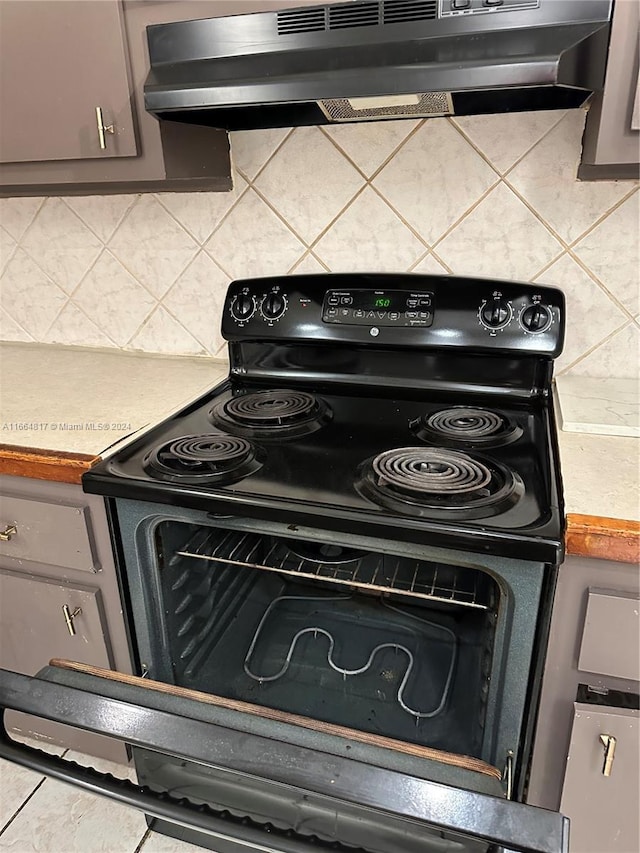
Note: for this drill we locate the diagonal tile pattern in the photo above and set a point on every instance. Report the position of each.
(486, 195)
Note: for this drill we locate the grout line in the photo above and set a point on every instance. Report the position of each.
(143, 840)
(399, 215)
(473, 145)
(314, 243)
(279, 215)
(249, 180)
(603, 217)
(20, 326)
(466, 213)
(576, 258)
(440, 260)
(540, 138)
(24, 803)
(43, 200)
(396, 150)
(595, 347)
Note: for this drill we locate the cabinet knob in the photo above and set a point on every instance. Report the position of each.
(69, 617)
(103, 128)
(609, 744)
(9, 531)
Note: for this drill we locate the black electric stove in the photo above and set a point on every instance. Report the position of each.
(411, 407)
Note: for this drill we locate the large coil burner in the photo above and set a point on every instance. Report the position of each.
(466, 425)
(274, 413)
(210, 459)
(437, 481)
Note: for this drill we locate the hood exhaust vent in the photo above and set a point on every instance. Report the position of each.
(378, 59)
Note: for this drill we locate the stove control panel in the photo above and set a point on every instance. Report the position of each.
(403, 310)
(378, 307)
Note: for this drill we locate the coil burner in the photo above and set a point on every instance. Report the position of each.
(470, 426)
(210, 459)
(275, 413)
(435, 481)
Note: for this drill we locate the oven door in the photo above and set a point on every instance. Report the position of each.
(332, 802)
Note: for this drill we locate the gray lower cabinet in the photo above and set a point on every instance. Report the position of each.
(59, 594)
(586, 756)
(602, 780)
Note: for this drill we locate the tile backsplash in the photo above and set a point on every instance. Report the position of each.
(483, 195)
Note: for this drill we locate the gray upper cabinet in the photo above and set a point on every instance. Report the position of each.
(612, 134)
(59, 63)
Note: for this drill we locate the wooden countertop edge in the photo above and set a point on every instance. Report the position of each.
(58, 465)
(604, 538)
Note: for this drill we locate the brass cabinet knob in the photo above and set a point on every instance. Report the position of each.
(9, 531)
(69, 617)
(609, 743)
(103, 128)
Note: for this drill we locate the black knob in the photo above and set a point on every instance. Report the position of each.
(496, 313)
(535, 318)
(273, 306)
(243, 306)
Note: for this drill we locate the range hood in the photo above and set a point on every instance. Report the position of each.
(377, 59)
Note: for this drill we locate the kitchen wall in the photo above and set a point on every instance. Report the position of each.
(486, 195)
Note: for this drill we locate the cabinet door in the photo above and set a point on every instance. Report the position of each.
(33, 629)
(58, 62)
(603, 809)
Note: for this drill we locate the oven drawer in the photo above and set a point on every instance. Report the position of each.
(57, 534)
(370, 802)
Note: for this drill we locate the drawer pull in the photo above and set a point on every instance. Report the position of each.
(609, 744)
(9, 531)
(69, 617)
(102, 128)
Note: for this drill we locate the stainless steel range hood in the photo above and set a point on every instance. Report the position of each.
(377, 59)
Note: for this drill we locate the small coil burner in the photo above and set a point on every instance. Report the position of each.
(436, 481)
(210, 459)
(271, 414)
(467, 425)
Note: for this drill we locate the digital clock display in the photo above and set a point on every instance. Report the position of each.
(382, 302)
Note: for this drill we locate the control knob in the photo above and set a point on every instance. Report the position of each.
(273, 306)
(495, 313)
(243, 307)
(536, 318)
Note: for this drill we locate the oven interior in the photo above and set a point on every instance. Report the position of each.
(378, 643)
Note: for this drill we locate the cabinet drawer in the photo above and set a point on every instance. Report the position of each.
(610, 636)
(58, 534)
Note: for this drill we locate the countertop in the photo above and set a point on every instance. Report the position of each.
(62, 407)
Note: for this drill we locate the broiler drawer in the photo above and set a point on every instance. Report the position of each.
(57, 534)
(610, 635)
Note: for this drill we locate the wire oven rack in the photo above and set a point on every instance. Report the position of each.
(368, 571)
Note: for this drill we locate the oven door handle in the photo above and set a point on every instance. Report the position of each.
(173, 725)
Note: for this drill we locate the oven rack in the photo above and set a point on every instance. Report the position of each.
(383, 573)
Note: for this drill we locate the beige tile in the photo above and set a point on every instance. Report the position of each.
(308, 265)
(113, 299)
(430, 266)
(73, 328)
(546, 177)
(17, 782)
(505, 137)
(617, 358)
(611, 252)
(197, 300)
(200, 213)
(10, 330)
(253, 241)
(29, 296)
(157, 843)
(434, 178)
(102, 213)
(369, 236)
(250, 149)
(590, 315)
(519, 249)
(7, 247)
(163, 333)
(16, 214)
(152, 246)
(370, 143)
(61, 244)
(308, 181)
(64, 819)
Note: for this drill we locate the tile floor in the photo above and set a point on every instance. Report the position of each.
(41, 815)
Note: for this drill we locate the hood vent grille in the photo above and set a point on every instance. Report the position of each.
(346, 15)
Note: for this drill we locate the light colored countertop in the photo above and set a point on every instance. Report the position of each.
(599, 406)
(81, 401)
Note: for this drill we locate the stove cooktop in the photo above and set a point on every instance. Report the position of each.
(408, 407)
(408, 464)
